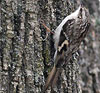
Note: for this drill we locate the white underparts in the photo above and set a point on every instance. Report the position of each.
(59, 28)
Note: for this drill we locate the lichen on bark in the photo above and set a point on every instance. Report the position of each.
(26, 60)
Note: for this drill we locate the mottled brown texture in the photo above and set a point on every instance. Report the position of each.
(90, 52)
(26, 60)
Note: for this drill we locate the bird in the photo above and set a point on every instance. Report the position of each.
(77, 23)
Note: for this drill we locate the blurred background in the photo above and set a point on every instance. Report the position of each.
(90, 52)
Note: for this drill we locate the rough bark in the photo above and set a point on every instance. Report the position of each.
(90, 52)
(26, 60)
(21, 59)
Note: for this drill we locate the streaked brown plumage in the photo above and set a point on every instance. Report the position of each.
(76, 26)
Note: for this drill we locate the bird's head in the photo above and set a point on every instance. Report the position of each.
(83, 13)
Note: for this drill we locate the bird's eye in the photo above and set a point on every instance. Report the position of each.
(79, 16)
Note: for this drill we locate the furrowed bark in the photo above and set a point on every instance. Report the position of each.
(26, 60)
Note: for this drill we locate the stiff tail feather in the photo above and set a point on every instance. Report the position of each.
(52, 78)
(58, 71)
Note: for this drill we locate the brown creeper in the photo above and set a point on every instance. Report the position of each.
(67, 37)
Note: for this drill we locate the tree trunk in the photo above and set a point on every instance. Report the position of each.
(25, 58)
(90, 52)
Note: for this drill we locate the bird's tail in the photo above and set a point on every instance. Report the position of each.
(52, 78)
